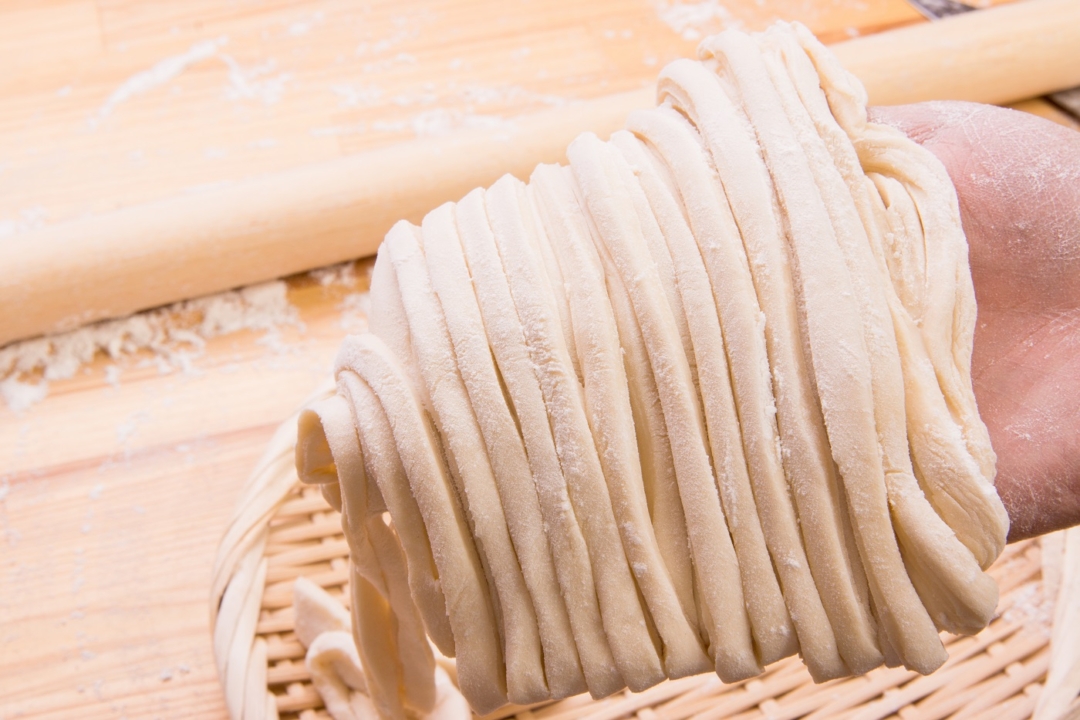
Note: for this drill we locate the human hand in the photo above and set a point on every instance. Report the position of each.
(1018, 180)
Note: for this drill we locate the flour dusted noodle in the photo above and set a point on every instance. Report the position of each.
(699, 399)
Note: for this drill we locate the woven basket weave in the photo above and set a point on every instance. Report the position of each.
(282, 530)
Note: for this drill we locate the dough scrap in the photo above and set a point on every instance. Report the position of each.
(701, 397)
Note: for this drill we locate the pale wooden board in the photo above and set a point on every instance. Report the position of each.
(114, 498)
(288, 82)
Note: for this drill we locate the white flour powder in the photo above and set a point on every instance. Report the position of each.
(174, 334)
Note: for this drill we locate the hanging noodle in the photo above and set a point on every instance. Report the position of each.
(697, 401)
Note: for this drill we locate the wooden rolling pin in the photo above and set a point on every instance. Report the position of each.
(114, 264)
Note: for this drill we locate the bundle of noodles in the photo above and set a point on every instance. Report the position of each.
(699, 400)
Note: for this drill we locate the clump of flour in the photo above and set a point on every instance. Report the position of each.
(339, 274)
(354, 306)
(694, 20)
(174, 336)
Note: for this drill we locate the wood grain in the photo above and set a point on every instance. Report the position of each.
(113, 499)
(353, 76)
(246, 231)
(182, 102)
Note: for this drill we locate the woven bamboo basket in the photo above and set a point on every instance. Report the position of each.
(282, 530)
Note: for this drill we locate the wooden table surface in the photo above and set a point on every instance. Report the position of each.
(115, 489)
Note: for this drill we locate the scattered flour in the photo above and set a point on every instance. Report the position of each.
(28, 219)
(356, 95)
(1031, 607)
(20, 395)
(174, 335)
(170, 338)
(244, 83)
(161, 73)
(384, 44)
(694, 20)
(437, 121)
(443, 122)
(354, 309)
(251, 83)
(303, 27)
(340, 274)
